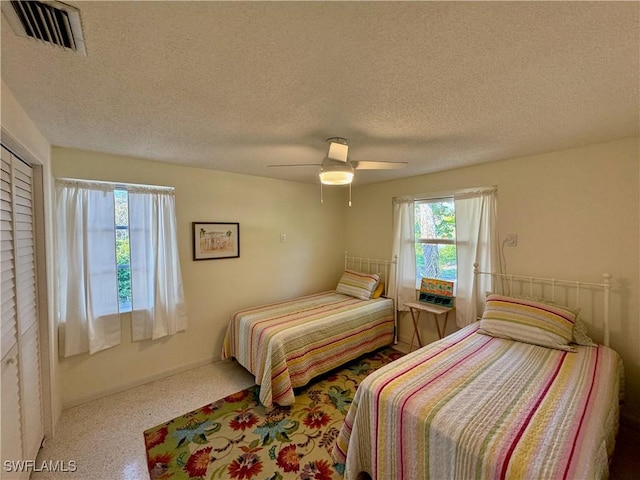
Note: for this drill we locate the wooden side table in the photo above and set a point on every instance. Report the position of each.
(416, 307)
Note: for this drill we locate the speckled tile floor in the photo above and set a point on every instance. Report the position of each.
(104, 437)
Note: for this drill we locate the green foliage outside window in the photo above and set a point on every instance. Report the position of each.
(123, 259)
(435, 221)
(444, 219)
(124, 274)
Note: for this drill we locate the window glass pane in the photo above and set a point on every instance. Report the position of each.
(435, 225)
(435, 219)
(122, 208)
(122, 250)
(436, 261)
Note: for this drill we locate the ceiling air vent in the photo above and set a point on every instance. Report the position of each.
(49, 21)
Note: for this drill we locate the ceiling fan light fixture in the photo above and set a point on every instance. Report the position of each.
(336, 174)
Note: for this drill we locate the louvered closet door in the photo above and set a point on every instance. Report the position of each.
(9, 322)
(10, 395)
(28, 332)
(21, 353)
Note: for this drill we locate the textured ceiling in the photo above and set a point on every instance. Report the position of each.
(236, 86)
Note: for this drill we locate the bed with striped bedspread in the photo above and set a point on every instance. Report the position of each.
(475, 406)
(287, 344)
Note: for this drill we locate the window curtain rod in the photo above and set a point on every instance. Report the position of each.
(464, 193)
(100, 185)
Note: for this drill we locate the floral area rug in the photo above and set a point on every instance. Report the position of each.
(237, 438)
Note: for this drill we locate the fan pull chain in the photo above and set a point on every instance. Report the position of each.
(322, 194)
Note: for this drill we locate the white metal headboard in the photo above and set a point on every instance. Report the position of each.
(539, 286)
(384, 268)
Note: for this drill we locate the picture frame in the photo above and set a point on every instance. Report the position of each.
(215, 240)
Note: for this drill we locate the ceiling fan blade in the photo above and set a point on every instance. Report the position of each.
(370, 165)
(296, 165)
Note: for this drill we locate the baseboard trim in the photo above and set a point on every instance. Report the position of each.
(74, 402)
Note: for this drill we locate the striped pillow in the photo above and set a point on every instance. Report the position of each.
(580, 331)
(528, 321)
(358, 284)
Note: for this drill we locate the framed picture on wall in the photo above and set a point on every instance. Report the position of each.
(215, 240)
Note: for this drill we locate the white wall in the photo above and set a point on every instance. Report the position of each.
(576, 213)
(18, 125)
(311, 260)
(21, 135)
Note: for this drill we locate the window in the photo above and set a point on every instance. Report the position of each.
(117, 252)
(123, 256)
(443, 236)
(435, 239)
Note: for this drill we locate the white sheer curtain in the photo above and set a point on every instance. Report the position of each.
(87, 282)
(403, 283)
(158, 307)
(476, 241)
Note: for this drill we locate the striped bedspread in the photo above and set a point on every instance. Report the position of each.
(287, 344)
(474, 406)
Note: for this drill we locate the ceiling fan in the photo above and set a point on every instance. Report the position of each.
(336, 167)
